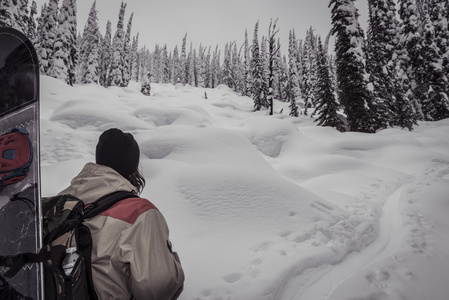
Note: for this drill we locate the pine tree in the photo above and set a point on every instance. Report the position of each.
(215, 68)
(190, 67)
(278, 88)
(46, 35)
(126, 71)
(352, 89)
(165, 65)
(32, 33)
(393, 108)
(14, 14)
(135, 58)
(264, 62)
(88, 68)
(257, 67)
(156, 58)
(327, 105)
(272, 55)
(412, 57)
(200, 68)
(7, 9)
(227, 67)
(176, 68)
(238, 71)
(105, 56)
(183, 61)
(293, 91)
(247, 67)
(283, 79)
(115, 77)
(435, 105)
(308, 66)
(145, 72)
(207, 68)
(65, 55)
(21, 15)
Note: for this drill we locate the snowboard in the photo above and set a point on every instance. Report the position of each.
(20, 228)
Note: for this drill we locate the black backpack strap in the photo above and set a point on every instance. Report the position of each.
(16, 262)
(106, 202)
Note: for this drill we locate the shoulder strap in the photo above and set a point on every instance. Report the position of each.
(106, 202)
(15, 262)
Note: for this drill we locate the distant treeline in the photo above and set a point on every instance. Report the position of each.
(394, 75)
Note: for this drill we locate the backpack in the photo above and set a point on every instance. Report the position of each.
(63, 228)
(16, 156)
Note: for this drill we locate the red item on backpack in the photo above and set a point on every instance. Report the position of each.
(16, 156)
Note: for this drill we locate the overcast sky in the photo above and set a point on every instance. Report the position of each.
(212, 22)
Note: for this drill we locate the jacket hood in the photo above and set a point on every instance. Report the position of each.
(95, 181)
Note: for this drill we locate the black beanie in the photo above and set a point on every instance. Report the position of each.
(118, 150)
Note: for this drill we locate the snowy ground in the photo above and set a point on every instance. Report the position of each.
(264, 207)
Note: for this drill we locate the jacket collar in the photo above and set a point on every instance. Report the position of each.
(95, 181)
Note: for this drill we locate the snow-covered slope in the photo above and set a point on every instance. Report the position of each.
(269, 207)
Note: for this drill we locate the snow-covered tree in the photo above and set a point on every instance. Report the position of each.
(258, 91)
(145, 76)
(127, 49)
(215, 68)
(238, 69)
(32, 33)
(135, 58)
(21, 15)
(393, 108)
(282, 78)
(435, 104)
(228, 67)
(353, 93)
(190, 67)
(207, 68)
(165, 65)
(327, 105)
(176, 67)
(247, 67)
(14, 14)
(183, 61)
(65, 54)
(264, 62)
(7, 10)
(89, 62)
(273, 50)
(115, 77)
(46, 34)
(293, 90)
(200, 67)
(308, 69)
(105, 56)
(412, 57)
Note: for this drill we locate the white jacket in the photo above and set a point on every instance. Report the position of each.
(131, 251)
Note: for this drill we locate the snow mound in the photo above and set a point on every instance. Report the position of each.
(173, 116)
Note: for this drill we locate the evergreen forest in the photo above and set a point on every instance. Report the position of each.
(395, 74)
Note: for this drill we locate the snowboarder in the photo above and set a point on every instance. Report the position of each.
(131, 252)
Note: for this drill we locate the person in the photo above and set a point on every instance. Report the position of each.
(132, 256)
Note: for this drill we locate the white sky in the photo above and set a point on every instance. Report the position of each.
(212, 22)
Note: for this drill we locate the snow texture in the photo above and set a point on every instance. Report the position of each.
(269, 207)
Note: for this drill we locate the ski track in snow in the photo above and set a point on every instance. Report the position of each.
(385, 245)
(394, 235)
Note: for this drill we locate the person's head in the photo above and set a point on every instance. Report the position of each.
(120, 151)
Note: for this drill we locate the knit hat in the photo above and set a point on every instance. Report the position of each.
(118, 150)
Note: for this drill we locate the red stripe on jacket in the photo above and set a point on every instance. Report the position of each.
(129, 210)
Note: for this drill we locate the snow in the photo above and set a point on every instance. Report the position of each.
(269, 207)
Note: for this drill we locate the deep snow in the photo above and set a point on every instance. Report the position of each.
(269, 207)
